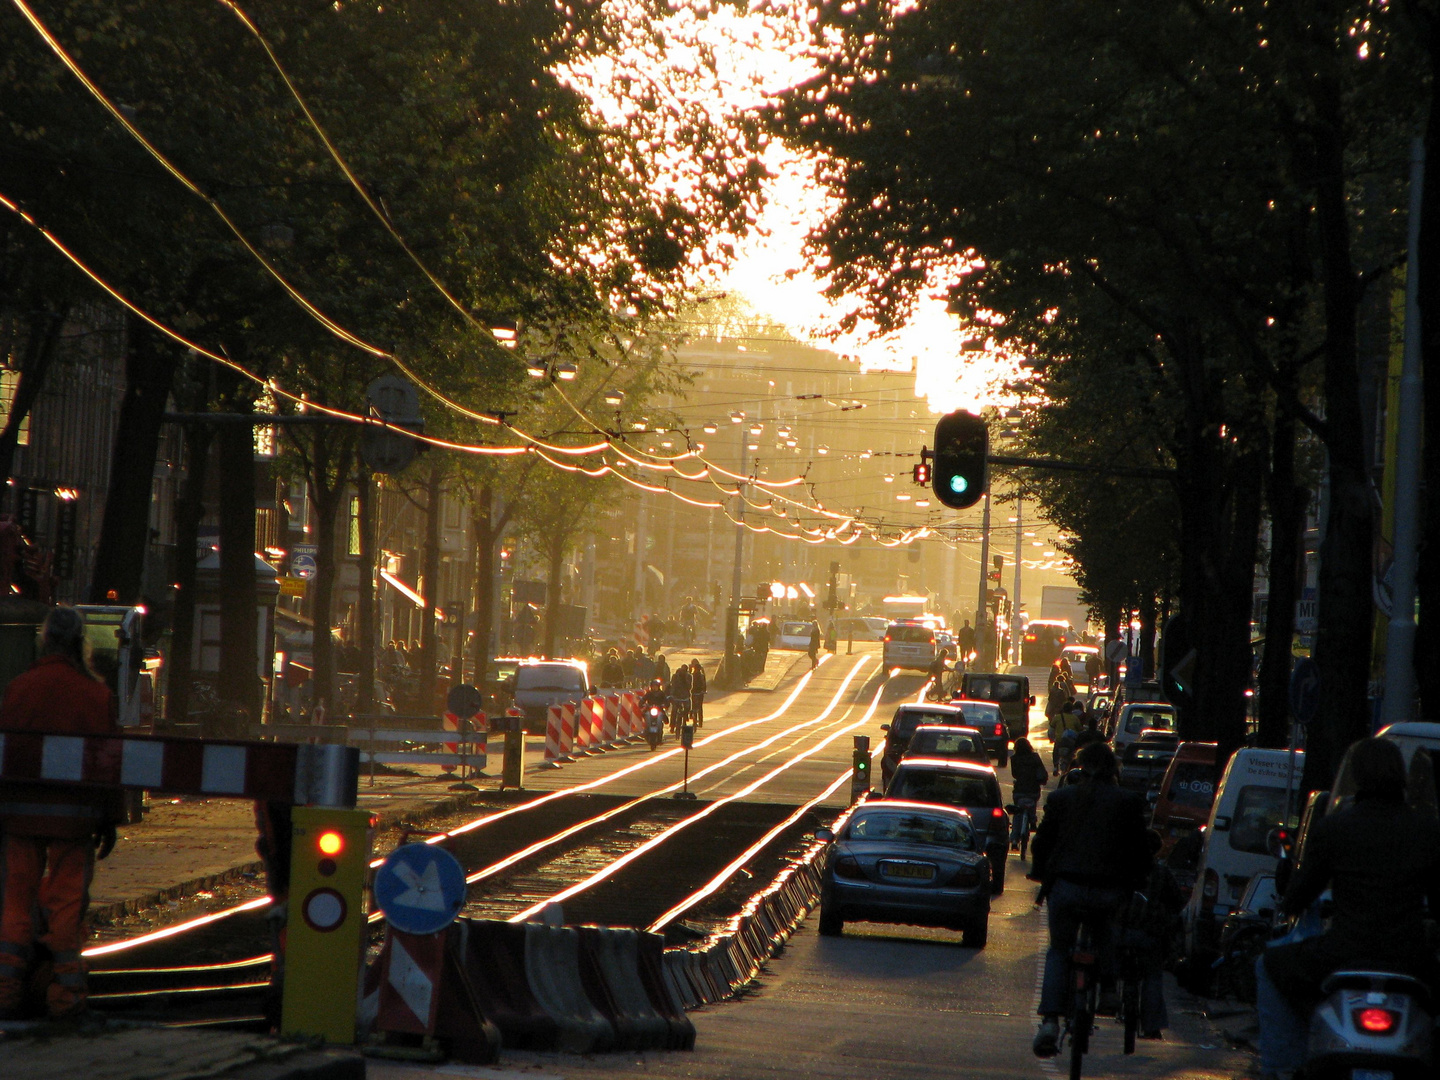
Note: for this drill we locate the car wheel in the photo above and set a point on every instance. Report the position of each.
(831, 925)
(977, 933)
(997, 874)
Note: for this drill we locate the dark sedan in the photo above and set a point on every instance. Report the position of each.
(902, 862)
(969, 786)
(958, 743)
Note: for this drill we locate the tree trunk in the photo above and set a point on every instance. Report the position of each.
(189, 510)
(1343, 641)
(125, 529)
(555, 545)
(1147, 635)
(430, 571)
(330, 468)
(41, 339)
(1287, 525)
(365, 616)
(1426, 263)
(238, 679)
(483, 532)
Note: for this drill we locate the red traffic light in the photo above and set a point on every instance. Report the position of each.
(330, 842)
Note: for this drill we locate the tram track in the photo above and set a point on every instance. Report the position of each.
(612, 859)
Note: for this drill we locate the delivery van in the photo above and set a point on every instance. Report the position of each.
(1250, 802)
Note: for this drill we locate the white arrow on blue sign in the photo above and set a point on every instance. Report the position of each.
(1305, 690)
(420, 888)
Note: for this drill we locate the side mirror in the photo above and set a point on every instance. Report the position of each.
(1222, 824)
(1032, 699)
(884, 727)
(825, 836)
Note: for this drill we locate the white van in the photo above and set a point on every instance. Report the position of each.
(1249, 803)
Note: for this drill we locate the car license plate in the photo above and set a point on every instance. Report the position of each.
(914, 871)
(1371, 1074)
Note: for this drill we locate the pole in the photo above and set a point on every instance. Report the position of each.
(984, 625)
(640, 558)
(1400, 637)
(732, 633)
(1015, 600)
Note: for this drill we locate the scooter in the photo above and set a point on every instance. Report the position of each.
(1372, 1025)
(654, 726)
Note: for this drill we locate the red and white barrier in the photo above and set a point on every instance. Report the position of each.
(576, 719)
(610, 720)
(594, 710)
(409, 991)
(630, 710)
(276, 772)
(557, 741)
(479, 742)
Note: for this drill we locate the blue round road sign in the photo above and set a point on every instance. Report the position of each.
(1305, 690)
(420, 888)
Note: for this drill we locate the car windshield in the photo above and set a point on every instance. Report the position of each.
(549, 677)
(1257, 811)
(794, 629)
(949, 743)
(910, 827)
(1193, 785)
(976, 715)
(995, 688)
(907, 720)
(946, 786)
(1140, 719)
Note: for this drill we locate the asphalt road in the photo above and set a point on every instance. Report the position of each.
(882, 1001)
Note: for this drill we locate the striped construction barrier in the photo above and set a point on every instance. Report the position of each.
(630, 710)
(575, 716)
(594, 710)
(610, 711)
(478, 743)
(556, 741)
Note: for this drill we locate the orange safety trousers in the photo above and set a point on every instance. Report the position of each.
(44, 891)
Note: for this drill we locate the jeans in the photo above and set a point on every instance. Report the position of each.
(1284, 1030)
(1070, 905)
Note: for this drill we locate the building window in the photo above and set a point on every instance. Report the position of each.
(352, 546)
(9, 383)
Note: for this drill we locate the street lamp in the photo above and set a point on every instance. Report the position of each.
(535, 369)
(711, 429)
(565, 371)
(737, 417)
(615, 398)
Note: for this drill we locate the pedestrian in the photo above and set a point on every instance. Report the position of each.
(627, 668)
(611, 673)
(814, 646)
(662, 666)
(697, 692)
(1029, 776)
(53, 833)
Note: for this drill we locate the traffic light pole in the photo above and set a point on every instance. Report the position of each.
(984, 630)
(1015, 600)
(732, 632)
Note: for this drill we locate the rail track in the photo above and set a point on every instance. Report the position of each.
(646, 860)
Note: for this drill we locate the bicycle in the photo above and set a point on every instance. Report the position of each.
(1024, 821)
(679, 714)
(1132, 919)
(1085, 971)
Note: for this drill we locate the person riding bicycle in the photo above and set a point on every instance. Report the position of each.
(1069, 723)
(937, 672)
(1029, 776)
(680, 694)
(1381, 860)
(1090, 852)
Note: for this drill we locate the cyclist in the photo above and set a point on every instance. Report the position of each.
(680, 696)
(1027, 771)
(697, 692)
(1089, 853)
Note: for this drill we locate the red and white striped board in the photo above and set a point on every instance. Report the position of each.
(580, 725)
(630, 709)
(274, 772)
(409, 990)
(479, 741)
(610, 709)
(556, 750)
(593, 709)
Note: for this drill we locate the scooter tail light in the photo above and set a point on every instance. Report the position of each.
(1374, 1021)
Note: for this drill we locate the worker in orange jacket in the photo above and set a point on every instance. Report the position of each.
(51, 831)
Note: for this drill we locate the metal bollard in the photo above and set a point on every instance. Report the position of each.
(512, 772)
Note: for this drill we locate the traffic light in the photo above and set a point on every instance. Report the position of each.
(860, 765)
(325, 931)
(921, 473)
(962, 442)
(999, 563)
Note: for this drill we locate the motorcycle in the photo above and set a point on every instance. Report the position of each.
(654, 726)
(1372, 1024)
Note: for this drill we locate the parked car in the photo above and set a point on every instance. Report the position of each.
(794, 635)
(1010, 692)
(538, 684)
(909, 645)
(1186, 793)
(1137, 718)
(904, 862)
(1249, 803)
(902, 727)
(1145, 761)
(954, 743)
(861, 628)
(990, 721)
(970, 786)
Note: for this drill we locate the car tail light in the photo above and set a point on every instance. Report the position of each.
(997, 813)
(1375, 1021)
(966, 877)
(887, 637)
(847, 867)
(999, 729)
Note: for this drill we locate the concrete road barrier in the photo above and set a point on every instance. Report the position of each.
(552, 968)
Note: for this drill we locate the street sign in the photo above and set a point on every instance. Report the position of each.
(1307, 612)
(292, 586)
(302, 560)
(420, 888)
(397, 402)
(1305, 690)
(463, 700)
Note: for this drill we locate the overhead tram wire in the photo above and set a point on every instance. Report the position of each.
(336, 329)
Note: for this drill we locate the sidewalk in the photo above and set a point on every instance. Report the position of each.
(115, 1052)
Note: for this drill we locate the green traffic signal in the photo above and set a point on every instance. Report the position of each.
(962, 445)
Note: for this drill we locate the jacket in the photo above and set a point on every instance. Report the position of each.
(697, 682)
(57, 698)
(1029, 774)
(680, 683)
(1092, 834)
